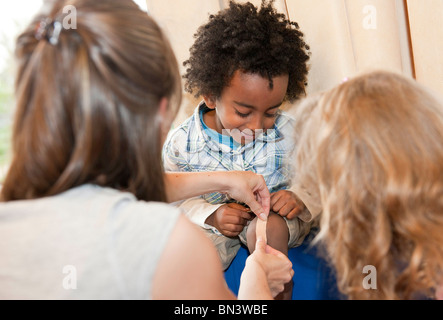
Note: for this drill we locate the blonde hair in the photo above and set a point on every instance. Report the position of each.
(87, 104)
(371, 150)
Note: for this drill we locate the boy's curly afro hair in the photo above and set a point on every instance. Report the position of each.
(251, 40)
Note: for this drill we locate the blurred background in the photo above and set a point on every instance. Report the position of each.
(346, 37)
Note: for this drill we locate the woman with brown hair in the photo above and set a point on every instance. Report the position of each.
(370, 164)
(81, 217)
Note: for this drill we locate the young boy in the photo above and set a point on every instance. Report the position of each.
(245, 63)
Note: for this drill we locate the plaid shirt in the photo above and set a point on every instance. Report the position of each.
(189, 148)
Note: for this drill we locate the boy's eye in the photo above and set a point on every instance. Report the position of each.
(243, 115)
(271, 115)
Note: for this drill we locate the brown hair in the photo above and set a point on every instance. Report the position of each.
(87, 107)
(373, 149)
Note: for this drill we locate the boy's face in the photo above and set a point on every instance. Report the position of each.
(247, 106)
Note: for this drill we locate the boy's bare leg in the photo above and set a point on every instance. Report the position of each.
(278, 236)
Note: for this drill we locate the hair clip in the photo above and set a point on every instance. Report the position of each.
(57, 28)
(43, 30)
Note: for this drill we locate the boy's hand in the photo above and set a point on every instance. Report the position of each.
(286, 204)
(230, 219)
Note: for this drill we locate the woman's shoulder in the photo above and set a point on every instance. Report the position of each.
(92, 202)
(121, 202)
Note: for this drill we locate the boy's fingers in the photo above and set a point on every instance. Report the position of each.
(235, 228)
(230, 233)
(237, 206)
(288, 208)
(241, 219)
(277, 205)
(248, 215)
(274, 198)
(254, 208)
(294, 213)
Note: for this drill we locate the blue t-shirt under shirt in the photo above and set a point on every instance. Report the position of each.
(214, 135)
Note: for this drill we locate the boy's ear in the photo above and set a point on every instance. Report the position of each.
(209, 101)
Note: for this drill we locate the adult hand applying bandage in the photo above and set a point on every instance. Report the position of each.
(266, 262)
(244, 186)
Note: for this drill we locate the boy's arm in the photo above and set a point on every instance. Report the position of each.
(312, 204)
(198, 210)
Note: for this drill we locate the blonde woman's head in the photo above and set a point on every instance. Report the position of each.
(371, 153)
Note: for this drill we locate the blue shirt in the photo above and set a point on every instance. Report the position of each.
(214, 135)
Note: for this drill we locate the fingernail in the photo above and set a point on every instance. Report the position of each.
(263, 216)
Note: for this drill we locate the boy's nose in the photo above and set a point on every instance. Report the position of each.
(256, 124)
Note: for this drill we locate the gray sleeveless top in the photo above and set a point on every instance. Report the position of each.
(87, 243)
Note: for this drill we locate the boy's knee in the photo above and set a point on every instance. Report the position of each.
(277, 233)
(277, 227)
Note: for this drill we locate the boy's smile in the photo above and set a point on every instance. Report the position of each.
(247, 106)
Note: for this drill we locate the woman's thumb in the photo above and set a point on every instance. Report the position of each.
(256, 208)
